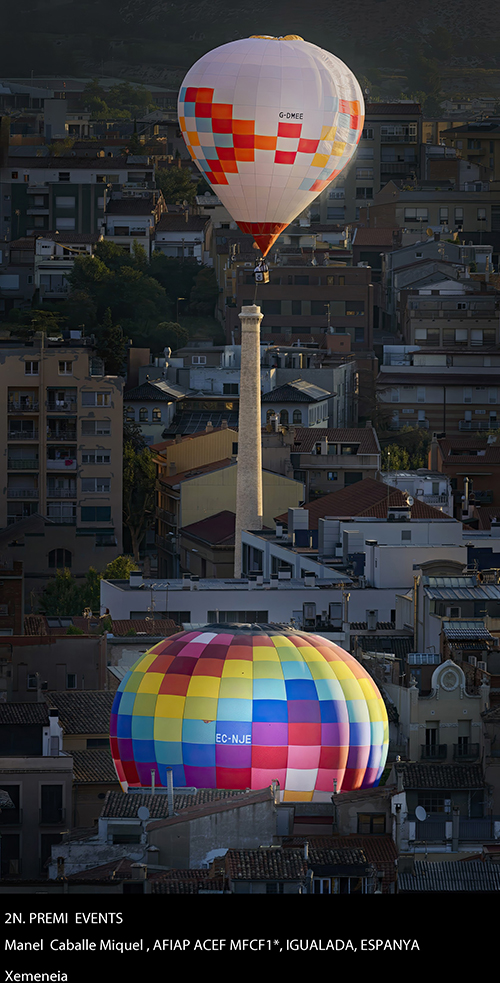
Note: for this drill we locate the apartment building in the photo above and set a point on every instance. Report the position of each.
(132, 216)
(478, 142)
(442, 391)
(389, 149)
(67, 194)
(61, 427)
(303, 303)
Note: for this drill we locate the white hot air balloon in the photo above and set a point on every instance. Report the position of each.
(270, 122)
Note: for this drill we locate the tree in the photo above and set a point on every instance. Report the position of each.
(139, 477)
(119, 569)
(177, 185)
(111, 346)
(203, 297)
(62, 596)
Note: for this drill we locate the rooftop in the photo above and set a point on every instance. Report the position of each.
(164, 391)
(82, 711)
(369, 498)
(306, 438)
(422, 776)
(452, 876)
(217, 530)
(179, 223)
(297, 391)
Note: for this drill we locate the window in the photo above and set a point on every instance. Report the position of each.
(367, 133)
(416, 215)
(64, 175)
(143, 415)
(467, 394)
(91, 513)
(60, 559)
(481, 214)
(64, 202)
(130, 414)
(335, 214)
(31, 368)
(94, 428)
(332, 475)
(297, 416)
(71, 681)
(65, 224)
(156, 415)
(394, 395)
(354, 308)
(96, 399)
(459, 216)
(364, 192)
(364, 173)
(97, 485)
(284, 418)
(371, 822)
(198, 360)
(406, 535)
(443, 216)
(96, 457)
(65, 368)
(15, 175)
(420, 394)
(230, 388)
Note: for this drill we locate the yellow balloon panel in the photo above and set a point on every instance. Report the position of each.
(270, 122)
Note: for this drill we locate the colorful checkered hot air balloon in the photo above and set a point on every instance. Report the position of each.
(270, 122)
(238, 706)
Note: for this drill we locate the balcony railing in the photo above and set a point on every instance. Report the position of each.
(465, 752)
(23, 434)
(23, 464)
(61, 492)
(61, 435)
(476, 424)
(68, 406)
(433, 752)
(165, 543)
(22, 492)
(61, 464)
(14, 406)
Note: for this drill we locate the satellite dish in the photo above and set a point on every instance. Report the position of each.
(421, 814)
(410, 500)
(143, 813)
(429, 232)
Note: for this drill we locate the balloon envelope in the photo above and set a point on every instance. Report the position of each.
(238, 706)
(270, 122)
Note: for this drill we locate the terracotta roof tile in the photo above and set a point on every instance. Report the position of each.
(94, 765)
(217, 529)
(24, 713)
(160, 626)
(117, 805)
(176, 479)
(83, 711)
(420, 776)
(272, 863)
(307, 437)
(367, 497)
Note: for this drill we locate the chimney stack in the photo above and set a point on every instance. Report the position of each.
(249, 478)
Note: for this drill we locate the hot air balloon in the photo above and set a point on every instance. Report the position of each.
(238, 706)
(270, 122)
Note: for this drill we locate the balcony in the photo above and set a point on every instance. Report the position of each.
(166, 543)
(68, 406)
(22, 434)
(398, 138)
(62, 463)
(61, 434)
(16, 406)
(23, 464)
(465, 752)
(22, 492)
(61, 492)
(476, 425)
(433, 752)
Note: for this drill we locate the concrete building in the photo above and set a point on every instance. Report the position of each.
(431, 487)
(67, 194)
(187, 497)
(37, 267)
(441, 391)
(303, 303)
(33, 663)
(473, 456)
(37, 776)
(62, 432)
(184, 236)
(325, 458)
(133, 217)
(298, 403)
(152, 406)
